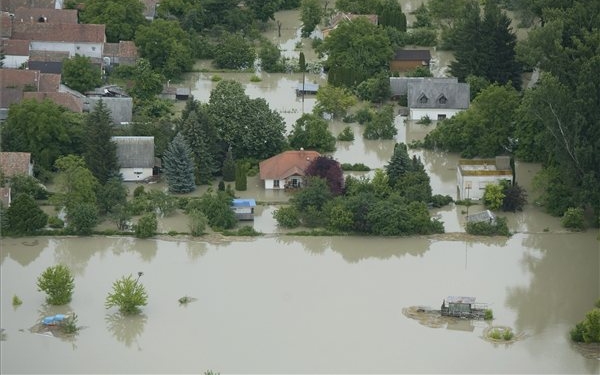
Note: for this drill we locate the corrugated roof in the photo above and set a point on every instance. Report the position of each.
(14, 163)
(399, 85)
(460, 299)
(483, 216)
(135, 152)
(286, 164)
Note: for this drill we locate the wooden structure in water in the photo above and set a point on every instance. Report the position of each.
(463, 307)
(306, 89)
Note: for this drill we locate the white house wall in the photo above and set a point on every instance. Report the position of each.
(432, 113)
(136, 174)
(14, 61)
(93, 50)
(473, 187)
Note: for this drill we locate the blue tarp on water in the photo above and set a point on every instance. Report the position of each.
(243, 203)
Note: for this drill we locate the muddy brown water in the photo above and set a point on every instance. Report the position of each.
(283, 304)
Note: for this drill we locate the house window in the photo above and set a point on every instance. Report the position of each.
(442, 99)
(93, 48)
(275, 183)
(441, 117)
(423, 99)
(295, 183)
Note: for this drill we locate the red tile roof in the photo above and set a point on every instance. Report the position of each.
(14, 163)
(12, 82)
(35, 15)
(5, 25)
(65, 99)
(53, 56)
(59, 32)
(49, 82)
(286, 164)
(12, 5)
(15, 47)
(121, 49)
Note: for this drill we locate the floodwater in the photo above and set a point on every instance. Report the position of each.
(292, 304)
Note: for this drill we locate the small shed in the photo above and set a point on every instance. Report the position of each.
(243, 208)
(306, 88)
(483, 216)
(182, 93)
(457, 306)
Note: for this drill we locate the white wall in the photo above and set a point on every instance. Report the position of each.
(84, 49)
(418, 113)
(473, 187)
(135, 174)
(14, 61)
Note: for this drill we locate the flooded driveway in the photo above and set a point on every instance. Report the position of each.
(303, 304)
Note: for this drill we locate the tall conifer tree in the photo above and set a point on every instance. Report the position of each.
(178, 164)
(100, 151)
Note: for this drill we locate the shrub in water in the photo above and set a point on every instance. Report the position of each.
(16, 301)
(58, 283)
(573, 219)
(488, 314)
(128, 295)
(508, 334)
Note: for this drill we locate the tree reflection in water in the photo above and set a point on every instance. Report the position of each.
(126, 328)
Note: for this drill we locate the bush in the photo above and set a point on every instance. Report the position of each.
(16, 301)
(55, 222)
(346, 135)
(216, 78)
(69, 325)
(198, 223)
(493, 196)
(128, 295)
(255, 78)
(146, 226)
(58, 283)
(424, 121)
(287, 217)
(495, 334)
(439, 200)
(573, 219)
(139, 191)
(482, 228)
(488, 314)
(357, 167)
(246, 230)
(507, 334)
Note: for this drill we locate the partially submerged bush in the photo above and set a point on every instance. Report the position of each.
(573, 219)
(128, 295)
(483, 228)
(488, 314)
(588, 330)
(287, 217)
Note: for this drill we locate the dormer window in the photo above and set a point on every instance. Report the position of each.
(423, 99)
(442, 99)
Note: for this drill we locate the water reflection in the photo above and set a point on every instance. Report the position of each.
(23, 251)
(127, 329)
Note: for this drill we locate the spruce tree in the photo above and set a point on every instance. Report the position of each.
(100, 151)
(400, 163)
(178, 164)
(241, 176)
(201, 135)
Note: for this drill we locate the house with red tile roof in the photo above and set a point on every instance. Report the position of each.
(64, 99)
(83, 39)
(16, 52)
(286, 170)
(16, 163)
(13, 82)
(45, 15)
(5, 25)
(122, 53)
(12, 5)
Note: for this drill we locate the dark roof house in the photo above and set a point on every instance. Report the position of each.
(432, 93)
(409, 59)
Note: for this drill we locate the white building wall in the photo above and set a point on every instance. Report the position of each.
(473, 187)
(14, 61)
(135, 174)
(432, 113)
(93, 50)
(270, 184)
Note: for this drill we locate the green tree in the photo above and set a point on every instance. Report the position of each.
(334, 100)
(24, 184)
(287, 217)
(58, 283)
(390, 14)
(399, 164)
(382, 125)
(197, 222)
(515, 197)
(178, 166)
(217, 208)
(111, 195)
(120, 17)
(100, 150)
(146, 82)
(422, 17)
(358, 6)
(310, 15)
(258, 136)
(24, 216)
(573, 219)
(241, 176)
(146, 226)
(229, 167)
(315, 194)
(166, 46)
(80, 74)
(375, 89)
(128, 294)
(82, 218)
(44, 129)
(235, 52)
(493, 196)
(311, 132)
(264, 10)
(201, 135)
(356, 51)
(270, 57)
(76, 184)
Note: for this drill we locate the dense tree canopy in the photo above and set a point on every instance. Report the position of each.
(356, 50)
(235, 52)
(166, 46)
(121, 17)
(44, 129)
(485, 47)
(310, 14)
(311, 132)
(80, 74)
(249, 126)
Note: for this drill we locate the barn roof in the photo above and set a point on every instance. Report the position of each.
(135, 152)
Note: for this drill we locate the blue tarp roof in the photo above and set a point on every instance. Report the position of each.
(243, 203)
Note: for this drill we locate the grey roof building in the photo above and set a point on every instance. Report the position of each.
(429, 93)
(399, 85)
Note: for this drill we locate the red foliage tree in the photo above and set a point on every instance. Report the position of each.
(330, 170)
